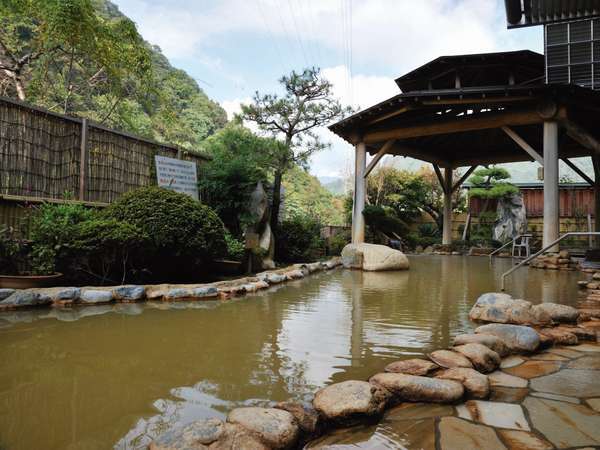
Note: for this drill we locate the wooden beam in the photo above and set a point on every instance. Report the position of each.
(440, 177)
(581, 135)
(481, 121)
(463, 178)
(417, 153)
(523, 144)
(578, 171)
(475, 101)
(392, 114)
(380, 154)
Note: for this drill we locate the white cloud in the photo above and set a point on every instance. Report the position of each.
(398, 34)
(233, 107)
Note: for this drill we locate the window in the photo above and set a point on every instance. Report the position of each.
(571, 50)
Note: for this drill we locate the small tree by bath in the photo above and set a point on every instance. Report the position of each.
(308, 103)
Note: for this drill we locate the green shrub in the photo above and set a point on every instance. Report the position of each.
(299, 240)
(379, 219)
(338, 242)
(235, 248)
(105, 250)
(12, 251)
(184, 234)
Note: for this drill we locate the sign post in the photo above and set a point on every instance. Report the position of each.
(177, 175)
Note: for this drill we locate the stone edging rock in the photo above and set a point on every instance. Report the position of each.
(11, 299)
(448, 376)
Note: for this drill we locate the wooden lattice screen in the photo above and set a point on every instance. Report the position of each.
(41, 154)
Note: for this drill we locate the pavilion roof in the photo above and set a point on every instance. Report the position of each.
(463, 127)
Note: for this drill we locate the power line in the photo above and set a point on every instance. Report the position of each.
(271, 35)
(298, 36)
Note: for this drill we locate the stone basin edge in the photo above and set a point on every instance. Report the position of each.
(64, 297)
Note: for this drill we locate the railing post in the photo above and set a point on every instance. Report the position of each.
(83, 159)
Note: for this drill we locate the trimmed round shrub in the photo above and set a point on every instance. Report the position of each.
(184, 234)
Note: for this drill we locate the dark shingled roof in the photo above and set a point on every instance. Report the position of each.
(539, 12)
(482, 69)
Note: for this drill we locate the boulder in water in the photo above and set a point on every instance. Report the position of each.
(373, 257)
(518, 338)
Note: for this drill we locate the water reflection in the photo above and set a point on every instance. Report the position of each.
(92, 377)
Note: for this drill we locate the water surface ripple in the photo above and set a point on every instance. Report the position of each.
(97, 377)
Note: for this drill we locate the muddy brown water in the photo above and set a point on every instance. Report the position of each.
(115, 376)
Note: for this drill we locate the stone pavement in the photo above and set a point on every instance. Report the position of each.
(550, 400)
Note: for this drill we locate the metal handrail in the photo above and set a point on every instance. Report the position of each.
(509, 243)
(552, 244)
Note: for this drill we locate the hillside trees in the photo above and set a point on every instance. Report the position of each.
(307, 103)
(83, 57)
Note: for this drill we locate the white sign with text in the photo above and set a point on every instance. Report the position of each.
(177, 175)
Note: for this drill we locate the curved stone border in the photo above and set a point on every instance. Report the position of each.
(11, 299)
(449, 376)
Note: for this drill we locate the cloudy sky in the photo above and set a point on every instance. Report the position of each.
(235, 47)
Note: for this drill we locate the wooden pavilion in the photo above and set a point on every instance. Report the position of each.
(472, 110)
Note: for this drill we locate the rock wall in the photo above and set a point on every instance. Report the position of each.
(11, 299)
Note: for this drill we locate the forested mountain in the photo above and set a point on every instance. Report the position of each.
(84, 57)
(304, 194)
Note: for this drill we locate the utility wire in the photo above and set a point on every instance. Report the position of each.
(271, 36)
(298, 36)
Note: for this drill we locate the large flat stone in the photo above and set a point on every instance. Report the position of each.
(559, 398)
(508, 395)
(497, 414)
(587, 362)
(566, 352)
(459, 434)
(569, 382)
(511, 361)
(593, 348)
(522, 440)
(502, 379)
(564, 424)
(532, 369)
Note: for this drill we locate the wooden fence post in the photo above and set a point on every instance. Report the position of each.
(83, 159)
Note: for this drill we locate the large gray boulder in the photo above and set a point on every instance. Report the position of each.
(373, 257)
(512, 218)
(414, 366)
(482, 358)
(412, 388)
(348, 400)
(24, 298)
(502, 308)
(557, 312)
(476, 384)
(492, 342)
(518, 338)
(449, 359)
(275, 427)
(196, 435)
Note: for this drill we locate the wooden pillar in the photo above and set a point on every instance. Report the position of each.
(447, 226)
(596, 164)
(83, 159)
(358, 220)
(551, 202)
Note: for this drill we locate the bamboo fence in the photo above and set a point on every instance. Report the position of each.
(45, 156)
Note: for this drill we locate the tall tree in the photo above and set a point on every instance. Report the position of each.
(307, 104)
(60, 52)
